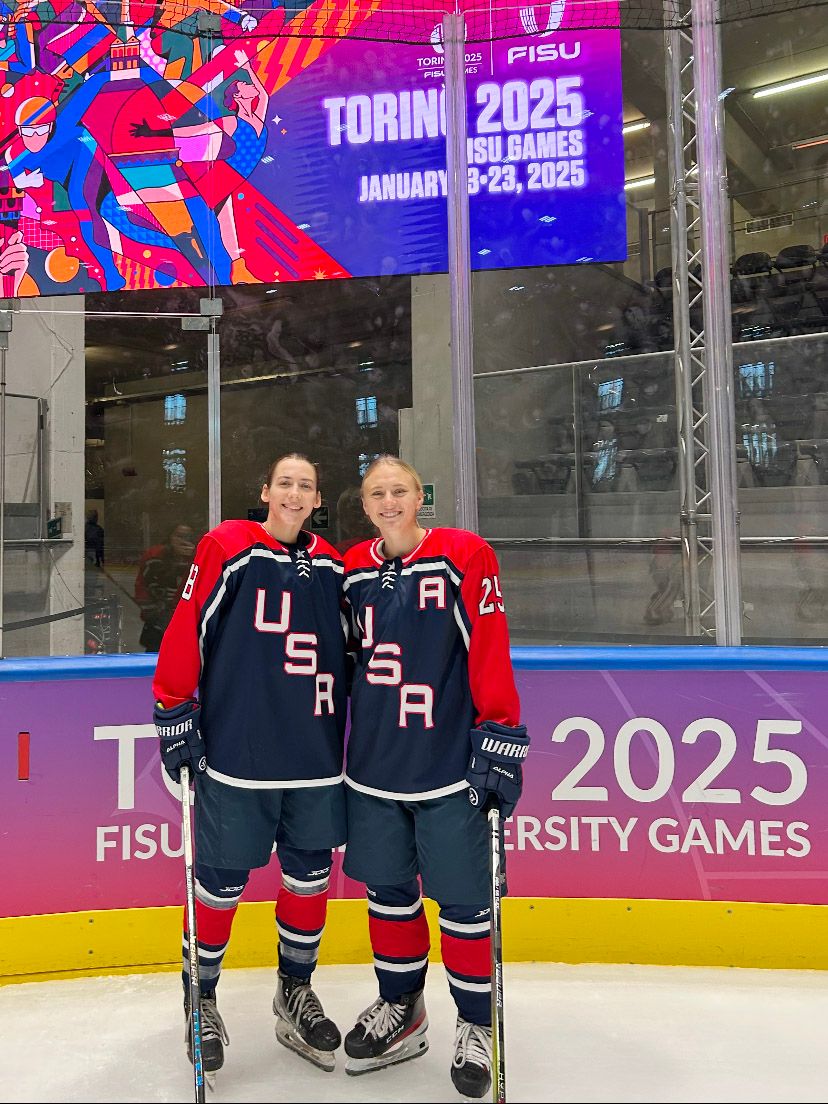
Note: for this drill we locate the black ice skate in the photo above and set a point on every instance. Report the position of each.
(387, 1033)
(214, 1036)
(301, 1023)
(471, 1069)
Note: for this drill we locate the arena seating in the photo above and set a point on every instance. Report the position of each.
(627, 422)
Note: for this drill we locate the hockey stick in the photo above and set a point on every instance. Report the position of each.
(498, 1039)
(192, 937)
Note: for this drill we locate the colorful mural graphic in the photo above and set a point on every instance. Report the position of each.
(160, 143)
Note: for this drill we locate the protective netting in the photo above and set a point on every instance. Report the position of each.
(411, 22)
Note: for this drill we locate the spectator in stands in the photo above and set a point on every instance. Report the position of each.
(162, 573)
(93, 539)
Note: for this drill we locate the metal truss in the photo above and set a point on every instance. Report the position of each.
(704, 400)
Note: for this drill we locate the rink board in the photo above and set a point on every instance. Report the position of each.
(675, 811)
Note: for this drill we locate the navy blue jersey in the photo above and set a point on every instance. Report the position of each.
(432, 660)
(259, 632)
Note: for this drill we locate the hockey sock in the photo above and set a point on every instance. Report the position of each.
(465, 938)
(301, 908)
(399, 938)
(217, 894)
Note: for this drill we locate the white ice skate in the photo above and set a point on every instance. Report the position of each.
(387, 1033)
(301, 1024)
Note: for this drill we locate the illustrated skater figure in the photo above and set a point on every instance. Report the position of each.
(258, 632)
(434, 738)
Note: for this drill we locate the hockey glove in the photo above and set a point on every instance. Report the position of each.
(180, 735)
(495, 773)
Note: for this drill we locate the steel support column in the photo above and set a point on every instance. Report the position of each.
(718, 395)
(701, 313)
(459, 266)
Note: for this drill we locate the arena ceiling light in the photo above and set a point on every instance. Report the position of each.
(632, 128)
(639, 182)
(790, 85)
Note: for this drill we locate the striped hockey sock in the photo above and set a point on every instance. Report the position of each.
(301, 908)
(465, 938)
(399, 938)
(217, 894)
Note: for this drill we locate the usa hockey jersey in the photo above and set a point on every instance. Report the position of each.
(259, 631)
(432, 660)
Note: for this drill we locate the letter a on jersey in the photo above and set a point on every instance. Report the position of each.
(433, 589)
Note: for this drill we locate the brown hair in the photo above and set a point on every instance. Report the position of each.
(293, 456)
(395, 462)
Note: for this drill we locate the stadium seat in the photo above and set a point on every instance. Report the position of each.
(548, 474)
(820, 284)
(794, 306)
(796, 259)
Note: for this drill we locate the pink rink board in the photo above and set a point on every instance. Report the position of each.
(664, 784)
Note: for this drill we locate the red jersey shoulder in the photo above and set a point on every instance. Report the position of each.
(361, 555)
(320, 547)
(234, 536)
(458, 545)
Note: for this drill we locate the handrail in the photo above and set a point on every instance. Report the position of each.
(630, 657)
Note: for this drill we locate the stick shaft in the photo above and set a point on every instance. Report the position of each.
(498, 1037)
(192, 937)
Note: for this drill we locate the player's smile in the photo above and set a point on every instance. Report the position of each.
(291, 497)
(391, 499)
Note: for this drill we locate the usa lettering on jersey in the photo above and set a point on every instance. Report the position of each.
(432, 653)
(271, 613)
(385, 668)
(301, 649)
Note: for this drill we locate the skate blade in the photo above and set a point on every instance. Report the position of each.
(354, 1067)
(322, 1059)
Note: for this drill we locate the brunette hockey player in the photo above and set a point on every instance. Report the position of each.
(435, 736)
(250, 693)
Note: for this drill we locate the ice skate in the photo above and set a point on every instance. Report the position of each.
(214, 1037)
(301, 1023)
(387, 1033)
(471, 1068)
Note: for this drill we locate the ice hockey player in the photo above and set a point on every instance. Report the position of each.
(258, 633)
(435, 736)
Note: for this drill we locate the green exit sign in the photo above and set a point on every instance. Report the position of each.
(428, 508)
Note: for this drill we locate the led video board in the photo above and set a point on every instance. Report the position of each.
(202, 142)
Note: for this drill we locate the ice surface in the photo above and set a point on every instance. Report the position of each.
(574, 1033)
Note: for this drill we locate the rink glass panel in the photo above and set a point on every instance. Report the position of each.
(577, 450)
(320, 368)
(575, 403)
(779, 293)
(146, 464)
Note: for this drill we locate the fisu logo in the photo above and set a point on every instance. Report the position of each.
(542, 19)
(436, 38)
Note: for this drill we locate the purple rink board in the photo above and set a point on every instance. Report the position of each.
(671, 784)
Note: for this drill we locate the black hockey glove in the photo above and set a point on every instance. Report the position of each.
(180, 735)
(495, 773)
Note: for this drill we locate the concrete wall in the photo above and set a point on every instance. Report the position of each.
(427, 429)
(46, 360)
